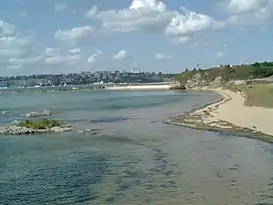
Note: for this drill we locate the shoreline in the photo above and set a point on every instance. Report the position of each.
(222, 116)
(139, 87)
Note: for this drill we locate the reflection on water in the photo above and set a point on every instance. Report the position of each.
(135, 159)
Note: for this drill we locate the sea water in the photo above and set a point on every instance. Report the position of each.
(134, 158)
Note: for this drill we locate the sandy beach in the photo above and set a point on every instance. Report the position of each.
(139, 87)
(234, 111)
(229, 114)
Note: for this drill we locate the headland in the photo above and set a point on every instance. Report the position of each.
(245, 108)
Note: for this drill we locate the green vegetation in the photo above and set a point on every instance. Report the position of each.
(39, 124)
(228, 73)
(260, 95)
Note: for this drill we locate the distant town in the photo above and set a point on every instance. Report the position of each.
(83, 78)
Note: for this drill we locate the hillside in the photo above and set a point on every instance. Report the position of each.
(222, 75)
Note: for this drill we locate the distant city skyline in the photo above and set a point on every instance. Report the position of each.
(83, 78)
(67, 36)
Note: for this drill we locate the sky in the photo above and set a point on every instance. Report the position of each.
(63, 36)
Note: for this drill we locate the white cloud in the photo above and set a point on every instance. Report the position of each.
(154, 16)
(243, 6)
(6, 29)
(75, 50)
(60, 7)
(182, 40)
(248, 13)
(151, 4)
(54, 56)
(12, 43)
(19, 62)
(17, 52)
(19, 55)
(141, 14)
(188, 23)
(53, 60)
(121, 55)
(92, 12)
(220, 55)
(161, 56)
(74, 34)
(93, 58)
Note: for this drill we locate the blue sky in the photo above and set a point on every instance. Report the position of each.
(150, 35)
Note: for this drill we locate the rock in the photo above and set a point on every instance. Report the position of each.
(14, 129)
(254, 127)
(15, 122)
(61, 129)
(4, 113)
(177, 86)
(45, 113)
(216, 83)
(89, 131)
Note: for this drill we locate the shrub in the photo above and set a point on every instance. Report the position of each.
(39, 124)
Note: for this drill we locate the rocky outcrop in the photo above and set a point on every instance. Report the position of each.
(89, 131)
(4, 113)
(216, 83)
(177, 86)
(198, 81)
(14, 129)
(44, 113)
(195, 81)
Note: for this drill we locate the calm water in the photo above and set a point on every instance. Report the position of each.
(134, 159)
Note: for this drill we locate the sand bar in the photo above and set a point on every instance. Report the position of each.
(232, 109)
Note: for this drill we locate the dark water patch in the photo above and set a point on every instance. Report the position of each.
(54, 181)
(115, 139)
(227, 135)
(137, 105)
(155, 121)
(161, 161)
(5, 120)
(268, 148)
(110, 199)
(169, 184)
(134, 101)
(233, 169)
(108, 120)
(76, 120)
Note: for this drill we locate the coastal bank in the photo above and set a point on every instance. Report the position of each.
(230, 115)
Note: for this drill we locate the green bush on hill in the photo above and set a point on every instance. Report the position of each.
(227, 72)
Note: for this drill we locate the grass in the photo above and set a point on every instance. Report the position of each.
(228, 73)
(39, 124)
(259, 95)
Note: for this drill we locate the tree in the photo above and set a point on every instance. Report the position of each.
(256, 64)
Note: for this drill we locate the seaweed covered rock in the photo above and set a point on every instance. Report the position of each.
(35, 127)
